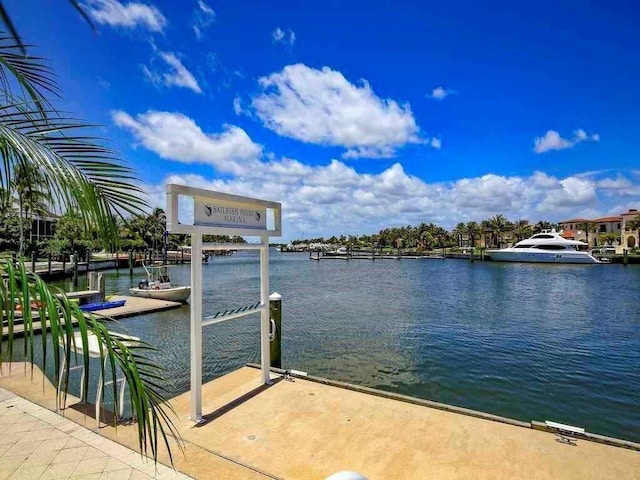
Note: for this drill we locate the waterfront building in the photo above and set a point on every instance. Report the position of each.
(629, 238)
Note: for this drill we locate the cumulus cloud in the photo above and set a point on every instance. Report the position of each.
(553, 141)
(435, 143)
(177, 137)
(283, 37)
(175, 74)
(440, 93)
(129, 15)
(203, 17)
(324, 108)
(335, 198)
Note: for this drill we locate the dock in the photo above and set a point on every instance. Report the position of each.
(133, 306)
(310, 428)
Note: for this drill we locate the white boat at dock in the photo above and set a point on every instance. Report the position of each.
(158, 285)
(545, 247)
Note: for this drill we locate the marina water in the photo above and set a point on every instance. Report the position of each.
(527, 341)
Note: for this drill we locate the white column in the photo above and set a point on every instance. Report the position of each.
(264, 316)
(196, 327)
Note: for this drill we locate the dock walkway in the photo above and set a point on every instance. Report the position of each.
(306, 429)
(133, 306)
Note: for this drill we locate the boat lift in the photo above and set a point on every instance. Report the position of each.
(216, 213)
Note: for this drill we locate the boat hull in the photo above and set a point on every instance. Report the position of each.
(509, 255)
(173, 294)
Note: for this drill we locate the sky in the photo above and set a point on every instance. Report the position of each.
(361, 115)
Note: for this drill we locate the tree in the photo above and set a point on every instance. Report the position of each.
(634, 223)
(498, 225)
(609, 238)
(473, 231)
(459, 231)
(33, 199)
(522, 230)
(588, 227)
(81, 174)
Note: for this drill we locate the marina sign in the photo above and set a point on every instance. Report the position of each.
(219, 214)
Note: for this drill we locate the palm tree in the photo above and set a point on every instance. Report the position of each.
(522, 230)
(80, 174)
(587, 226)
(498, 225)
(459, 231)
(474, 231)
(33, 199)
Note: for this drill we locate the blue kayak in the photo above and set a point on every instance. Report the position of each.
(92, 307)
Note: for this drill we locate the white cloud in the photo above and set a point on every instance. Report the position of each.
(335, 198)
(177, 74)
(129, 15)
(203, 17)
(177, 137)
(440, 93)
(323, 107)
(553, 141)
(435, 143)
(283, 37)
(237, 106)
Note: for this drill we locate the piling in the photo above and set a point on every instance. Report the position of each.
(182, 256)
(275, 334)
(91, 280)
(471, 255)
(33, 262)
(49, 263)
(75, 268)
(117, 260)
(101, 286)
(131, 262)
(625, 257)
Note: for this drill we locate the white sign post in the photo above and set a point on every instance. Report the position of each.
(218, 213)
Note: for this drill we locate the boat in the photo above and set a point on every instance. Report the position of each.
(92, 307)
(545, 247)
(158, 285)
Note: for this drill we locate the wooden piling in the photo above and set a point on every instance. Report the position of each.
(117, 260)
(275, 314)
(131, 262)
(33, 261)
(49, 263)
(625, 257)
(75, 268)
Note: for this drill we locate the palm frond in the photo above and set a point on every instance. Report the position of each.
(147, 394)
(79, 172)
(8, 22)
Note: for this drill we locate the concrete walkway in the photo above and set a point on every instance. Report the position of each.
(37, 444)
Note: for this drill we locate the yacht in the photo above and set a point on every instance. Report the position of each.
(545, 247)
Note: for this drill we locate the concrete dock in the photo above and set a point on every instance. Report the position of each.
(305, 429)
(133, 306)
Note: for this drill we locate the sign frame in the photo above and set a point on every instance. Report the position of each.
(197, 322)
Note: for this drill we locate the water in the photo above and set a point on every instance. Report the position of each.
(544, 342)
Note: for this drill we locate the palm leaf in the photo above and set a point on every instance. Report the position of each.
(147, 393)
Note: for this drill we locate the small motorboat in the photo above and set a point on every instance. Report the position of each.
(158, 285)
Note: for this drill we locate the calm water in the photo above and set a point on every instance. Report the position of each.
(523, 341)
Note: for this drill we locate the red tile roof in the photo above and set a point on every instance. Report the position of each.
(607, 219)
(575, 220)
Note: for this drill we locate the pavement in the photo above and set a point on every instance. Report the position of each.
(38, 444)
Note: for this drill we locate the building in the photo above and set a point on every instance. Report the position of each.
(629, 238)
(574, 229)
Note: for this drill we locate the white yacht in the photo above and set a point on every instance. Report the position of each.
(545, 247)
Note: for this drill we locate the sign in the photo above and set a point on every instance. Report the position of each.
(215, 213)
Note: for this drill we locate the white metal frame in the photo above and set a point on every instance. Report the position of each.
(196, 232)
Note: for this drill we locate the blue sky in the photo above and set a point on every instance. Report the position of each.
(361, 115)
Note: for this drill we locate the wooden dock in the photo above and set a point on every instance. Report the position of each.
(133, 306)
